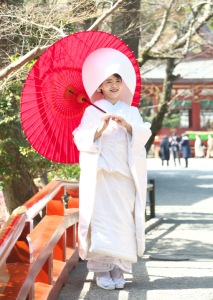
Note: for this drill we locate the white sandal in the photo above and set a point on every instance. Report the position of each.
(109, 287)
(118, 285)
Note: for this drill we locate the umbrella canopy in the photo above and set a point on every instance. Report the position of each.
(51, 106)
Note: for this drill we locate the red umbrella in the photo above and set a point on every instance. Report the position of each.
(49, 110)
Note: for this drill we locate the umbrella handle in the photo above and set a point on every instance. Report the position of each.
(85, 100)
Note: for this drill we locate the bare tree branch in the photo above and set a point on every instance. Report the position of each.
(160, 29)
(201, 3)
(156, 55)
(46, 27)
(106, 14)
(37, 51)
(193, 26)
(186, 47)
(22, 61)
(208, 13)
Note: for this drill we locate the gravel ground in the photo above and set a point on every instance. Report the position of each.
(185, 199)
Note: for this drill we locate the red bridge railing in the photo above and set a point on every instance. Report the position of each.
(35, 262)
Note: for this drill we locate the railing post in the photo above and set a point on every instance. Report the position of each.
(59, 252)
(46, 273)
(4, 278)
(57, 207)
(31, 295)
(152, 199)
(22, 251)
(71, 236)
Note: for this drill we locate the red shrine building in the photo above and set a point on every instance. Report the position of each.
(191, 103)
(192, 94)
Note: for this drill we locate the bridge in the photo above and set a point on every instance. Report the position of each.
(36, 261)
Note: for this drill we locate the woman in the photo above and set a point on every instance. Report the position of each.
(165, 152)
(199, 152)
(175, 140)
(186, 152)
(210, 147)
(113, 177)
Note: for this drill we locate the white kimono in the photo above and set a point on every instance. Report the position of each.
(199, 152)
(112, 188)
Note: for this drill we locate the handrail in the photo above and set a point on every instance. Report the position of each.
(15, 224)
(58, 251)
(15, 227)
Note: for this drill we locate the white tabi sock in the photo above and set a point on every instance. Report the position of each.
(105, 275)
(116, 276)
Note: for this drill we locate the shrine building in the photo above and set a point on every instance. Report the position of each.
(191, 103)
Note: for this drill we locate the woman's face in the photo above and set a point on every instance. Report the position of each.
(111, 87)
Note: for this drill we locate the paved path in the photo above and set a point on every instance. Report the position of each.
(185, 199)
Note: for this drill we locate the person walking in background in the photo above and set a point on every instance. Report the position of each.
(209, 147)
(199, 152)
(175, 147)
(165, 152)
(186, 152)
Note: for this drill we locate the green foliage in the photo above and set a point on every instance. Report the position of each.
(67, 172)
(172, 121)
(10, 134)
(210, 23)
(15, 151)
(147, 118)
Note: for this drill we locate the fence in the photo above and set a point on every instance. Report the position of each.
(35, 262)
(151, 190)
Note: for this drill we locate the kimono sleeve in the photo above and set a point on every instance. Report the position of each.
(84, 134)
(140, 131)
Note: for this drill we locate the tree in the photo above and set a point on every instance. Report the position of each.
(15, 172)
(126, 24)
(174, 51)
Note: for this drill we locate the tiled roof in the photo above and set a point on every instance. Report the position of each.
(190, 70)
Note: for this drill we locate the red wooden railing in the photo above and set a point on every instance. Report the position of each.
(35, 262)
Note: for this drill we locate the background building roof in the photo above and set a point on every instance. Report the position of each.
(190, 70)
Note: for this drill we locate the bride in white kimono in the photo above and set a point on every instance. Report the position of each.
(113, 179)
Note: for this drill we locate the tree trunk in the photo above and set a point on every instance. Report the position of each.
(44, 182)
(164, 99)
(44, 179)
(123, 19)
(18, 192)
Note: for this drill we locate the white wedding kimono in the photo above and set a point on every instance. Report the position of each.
(113, 185)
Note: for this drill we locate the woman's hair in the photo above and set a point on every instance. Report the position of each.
(117, 76)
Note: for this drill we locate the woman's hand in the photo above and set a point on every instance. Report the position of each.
(122, 122)
(105, 121)
(104, 124)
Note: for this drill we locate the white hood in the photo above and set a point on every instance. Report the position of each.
(101, 64)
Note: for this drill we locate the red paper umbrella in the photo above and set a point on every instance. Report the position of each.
(51, 103)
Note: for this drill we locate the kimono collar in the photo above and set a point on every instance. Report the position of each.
(119, 107)
(109, 107)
